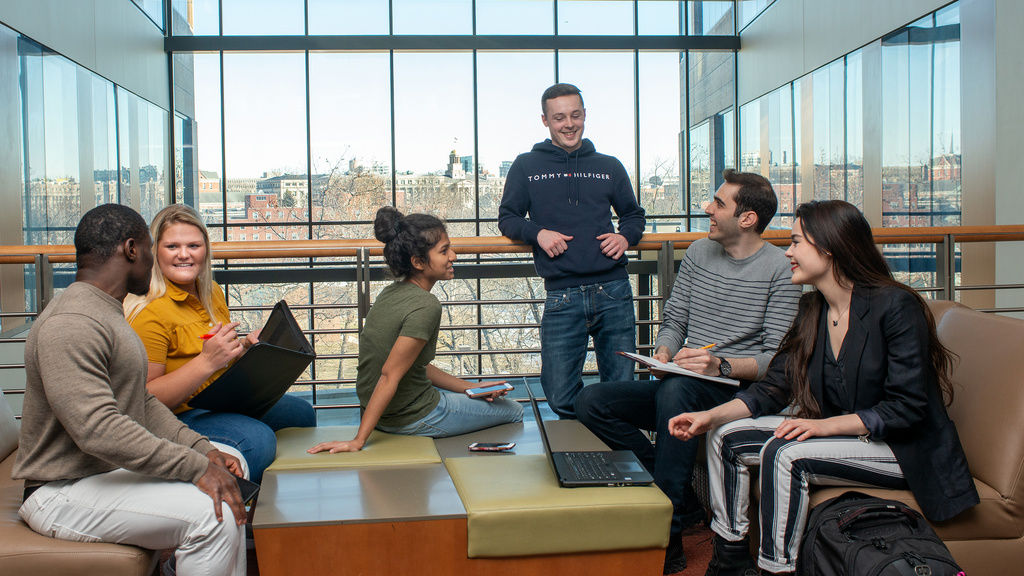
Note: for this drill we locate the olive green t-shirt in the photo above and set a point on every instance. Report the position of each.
(402, 309)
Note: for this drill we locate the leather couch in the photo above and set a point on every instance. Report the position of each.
(988, 408)
(23, 552)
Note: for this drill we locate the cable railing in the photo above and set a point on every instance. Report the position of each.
(335, 281)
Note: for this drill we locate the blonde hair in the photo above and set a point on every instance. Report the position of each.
(169, 216)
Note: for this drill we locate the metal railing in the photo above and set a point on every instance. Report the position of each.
(358, 263)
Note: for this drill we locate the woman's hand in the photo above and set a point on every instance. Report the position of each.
(689, 424)
(337, 446)
(489, 397)
(250, 340)
(222, 345)
(801, 429)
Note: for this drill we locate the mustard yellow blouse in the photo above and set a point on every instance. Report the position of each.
(171, 325)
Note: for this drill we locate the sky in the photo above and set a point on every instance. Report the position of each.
(265, 96)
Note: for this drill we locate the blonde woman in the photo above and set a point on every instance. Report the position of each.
(190, 340)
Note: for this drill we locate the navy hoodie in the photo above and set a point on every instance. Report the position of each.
(571, 193)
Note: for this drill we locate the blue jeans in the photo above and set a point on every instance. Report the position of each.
(255, 439)
(458, 414)
(573, 315)
(619, 412)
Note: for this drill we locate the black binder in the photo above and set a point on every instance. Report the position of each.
(253, 384)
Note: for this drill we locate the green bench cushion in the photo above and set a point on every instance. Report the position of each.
(515, 507)
(381, 449)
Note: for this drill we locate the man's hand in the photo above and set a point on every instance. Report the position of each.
(225, 460)
(613, 245)
(697, 360)
(553, 243)
(663, 355)
(221, 486)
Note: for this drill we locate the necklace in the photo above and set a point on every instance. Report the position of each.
(840, 317)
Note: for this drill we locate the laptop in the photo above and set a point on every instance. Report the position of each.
(586, 469)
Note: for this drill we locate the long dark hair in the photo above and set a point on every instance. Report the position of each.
(406, 237)
(838, 230)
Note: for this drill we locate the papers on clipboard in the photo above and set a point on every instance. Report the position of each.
(674, 369)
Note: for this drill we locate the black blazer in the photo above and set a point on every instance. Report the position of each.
(888, 370)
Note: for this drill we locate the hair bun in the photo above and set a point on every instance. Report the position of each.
(387, 224)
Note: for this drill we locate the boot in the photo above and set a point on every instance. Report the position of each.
(730, 558)
(675, 560)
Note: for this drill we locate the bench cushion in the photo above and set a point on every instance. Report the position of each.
(381, 449)
(515, 507)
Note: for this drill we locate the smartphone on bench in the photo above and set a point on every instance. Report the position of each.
(491, 446)
(485, 390)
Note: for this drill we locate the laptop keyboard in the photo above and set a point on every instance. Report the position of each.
(590, 465)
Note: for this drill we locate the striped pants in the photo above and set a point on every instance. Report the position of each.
(787, 469)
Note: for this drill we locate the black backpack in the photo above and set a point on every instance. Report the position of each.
(856, 535)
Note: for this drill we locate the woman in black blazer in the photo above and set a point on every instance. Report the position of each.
(863, 374)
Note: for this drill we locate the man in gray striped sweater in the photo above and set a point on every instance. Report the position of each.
(730, 306)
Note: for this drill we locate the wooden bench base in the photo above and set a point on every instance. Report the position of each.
(423, 548)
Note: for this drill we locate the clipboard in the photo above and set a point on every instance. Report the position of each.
(675, 369)
(253, 384)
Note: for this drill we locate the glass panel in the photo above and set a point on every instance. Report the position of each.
(701, 179)
(921, 142)
(711, 102)
(608, 100)
(661, 135)
(33, 149)
(659, 17)
(63, 201)
(433, 16)
(749, 9)
(195, 17)
(798, 111)
(263, 17)
(129, 176)
(509, 86)
(211, 201)
(350, 138)
(595, 17)
(822, 144)
(152, 126)
(750, 137)
(433, 131)
(710, 18)
(338, 17)
(154, 9)
(515, 17)
(783, 164)
(265, 144)
(854, 162)
(104, 140)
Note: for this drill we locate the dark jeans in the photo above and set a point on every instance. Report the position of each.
(619, 412)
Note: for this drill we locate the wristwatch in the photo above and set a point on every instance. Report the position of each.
(724, 368)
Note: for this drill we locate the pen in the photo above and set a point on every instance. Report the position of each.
(706, 347)
(206, 336)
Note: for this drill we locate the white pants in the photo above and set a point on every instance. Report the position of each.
(787, 468)
(128, 508)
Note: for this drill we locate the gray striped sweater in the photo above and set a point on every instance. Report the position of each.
(743, 306)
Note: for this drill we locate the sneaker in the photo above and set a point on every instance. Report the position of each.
(675, 560)
(169, 567)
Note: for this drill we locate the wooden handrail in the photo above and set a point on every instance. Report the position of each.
(65, 253)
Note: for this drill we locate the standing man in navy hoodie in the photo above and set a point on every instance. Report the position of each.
(567, 189)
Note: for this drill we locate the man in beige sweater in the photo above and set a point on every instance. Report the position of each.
(102, 459)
